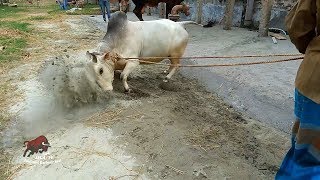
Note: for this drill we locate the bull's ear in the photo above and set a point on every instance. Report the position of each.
(94, 58)
(106, 56)
(91, 56)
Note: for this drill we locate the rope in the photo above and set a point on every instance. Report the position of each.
(215, 57)
(224, 65)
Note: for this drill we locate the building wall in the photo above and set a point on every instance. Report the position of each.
(213, 10)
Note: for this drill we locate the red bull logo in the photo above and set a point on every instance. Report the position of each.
(39, 144)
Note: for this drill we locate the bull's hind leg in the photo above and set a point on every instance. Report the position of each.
(173, 68)
(130, 66)
(169, 70)
(25, 152)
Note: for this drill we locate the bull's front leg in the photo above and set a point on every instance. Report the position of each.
(130, 66)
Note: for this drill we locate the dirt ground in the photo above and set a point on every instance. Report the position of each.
(161, 131)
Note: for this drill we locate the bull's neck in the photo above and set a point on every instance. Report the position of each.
(110, 64)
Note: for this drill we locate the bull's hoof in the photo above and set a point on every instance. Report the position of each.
(128, 91)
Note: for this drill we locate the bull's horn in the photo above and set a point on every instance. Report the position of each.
(45, 144)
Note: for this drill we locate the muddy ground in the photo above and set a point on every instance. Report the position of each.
(161, 131)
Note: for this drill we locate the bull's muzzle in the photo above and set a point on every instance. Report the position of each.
(107, 88)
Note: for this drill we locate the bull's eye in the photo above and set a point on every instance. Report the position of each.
(101, 71)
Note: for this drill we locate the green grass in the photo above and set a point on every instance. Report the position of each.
(39, 18)
(54, 9)
(15, 25)
(88, 9)
(6, 12)
(13, 48)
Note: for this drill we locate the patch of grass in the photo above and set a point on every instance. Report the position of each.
(21, 26)
(7, 12)
(13, 48)
(86, 11)
(39, 18)
(54, 9)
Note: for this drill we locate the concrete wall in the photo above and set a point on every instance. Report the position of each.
(213, 10)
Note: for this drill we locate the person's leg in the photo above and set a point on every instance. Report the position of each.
(65, 4)
(303, 159)
(108, 8)
(103, 9)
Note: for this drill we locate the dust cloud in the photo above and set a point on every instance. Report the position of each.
(61, 94)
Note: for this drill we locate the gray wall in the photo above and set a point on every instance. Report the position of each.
(213, 11)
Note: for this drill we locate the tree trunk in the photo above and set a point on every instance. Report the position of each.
(199, 11)
(265, 17)
(228, 14)
(243, 13)
(249, 13)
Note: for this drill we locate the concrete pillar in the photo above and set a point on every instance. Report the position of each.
(148, 10)
(162, 10)
(199, 11)
(265, 17)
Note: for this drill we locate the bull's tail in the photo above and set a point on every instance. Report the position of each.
(25, 143)
(188, 22)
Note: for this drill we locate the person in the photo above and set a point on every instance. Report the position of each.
(105, 8)
(302, 161)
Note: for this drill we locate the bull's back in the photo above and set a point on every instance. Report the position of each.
(161, 37)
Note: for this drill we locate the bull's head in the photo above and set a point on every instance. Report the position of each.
(44, 144)
(101, 69)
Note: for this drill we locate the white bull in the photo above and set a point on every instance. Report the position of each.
(158, 38)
